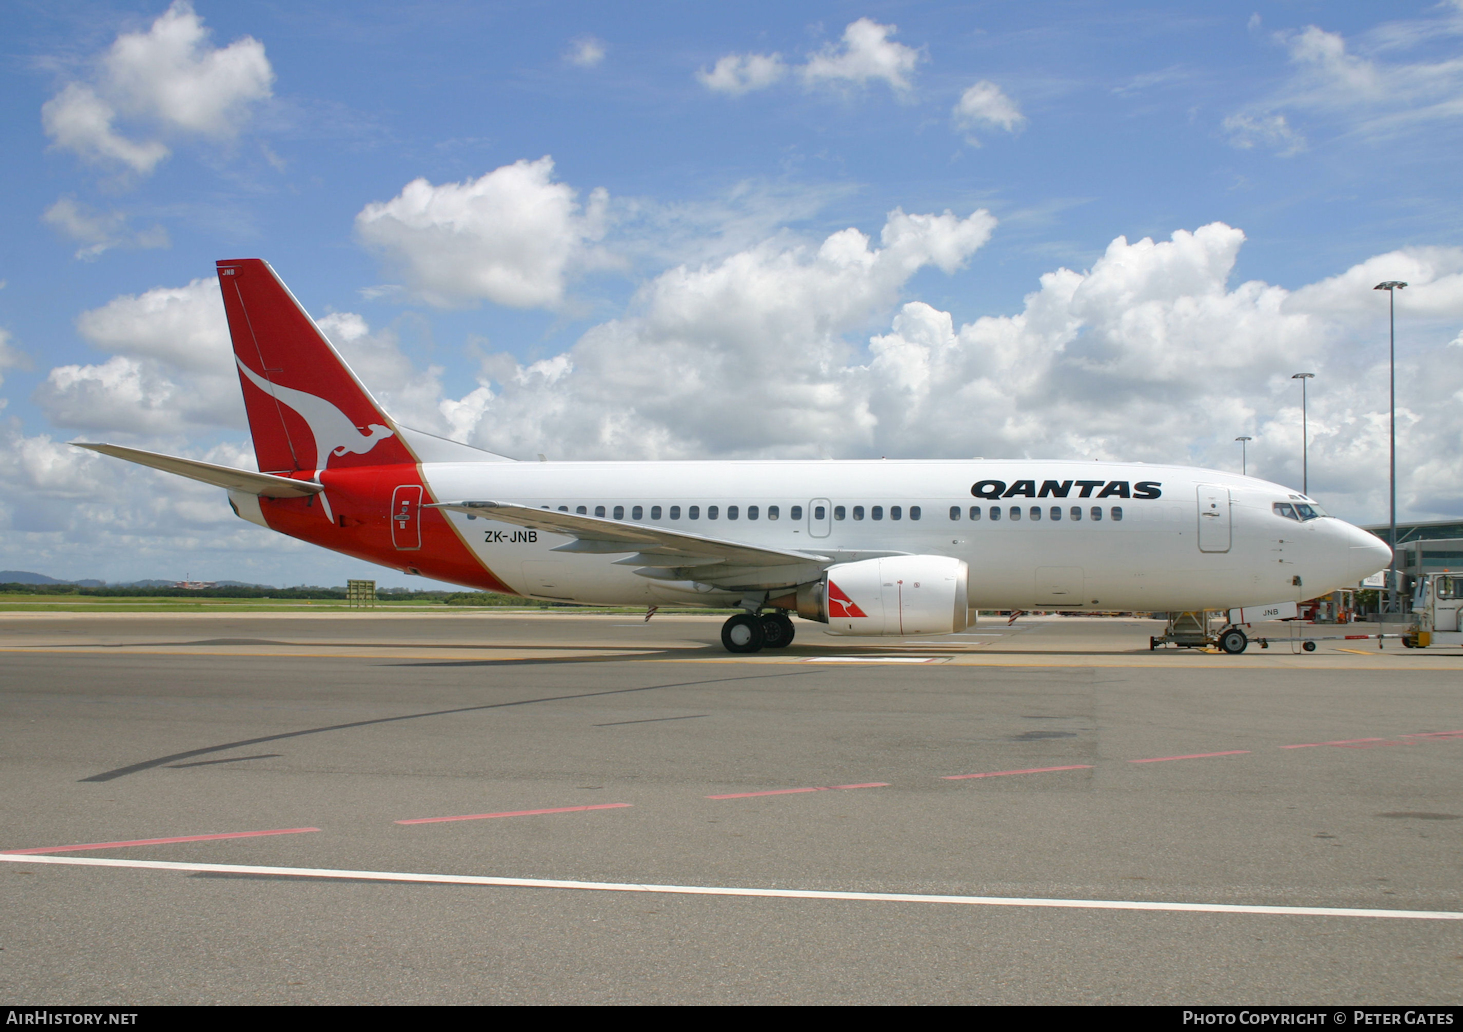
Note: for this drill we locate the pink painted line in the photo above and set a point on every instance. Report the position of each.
(793, 791)
(1435, 734)
(1348, 741)
(153, 841)
(515, 813)
(1193, 756)
(1004, 773)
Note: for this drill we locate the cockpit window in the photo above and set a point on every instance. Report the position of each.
(1299, 510)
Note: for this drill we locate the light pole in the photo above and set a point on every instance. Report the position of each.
(1391, 287)
(1305, 456)
(1243, 456)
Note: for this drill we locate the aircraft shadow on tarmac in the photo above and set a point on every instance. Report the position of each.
(163, 761)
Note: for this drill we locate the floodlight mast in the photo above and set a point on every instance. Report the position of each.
(1244, 455)
(1305, 442)
(1391, 287)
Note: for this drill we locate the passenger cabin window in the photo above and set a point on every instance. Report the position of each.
(563, 508)
(975, 513)
(1056, 513)
(731, 512)
(675, 512)
(619, 512)
(995, 512)
(751, 512)
(773, 513)
(954, 512)
(877, 512)
(858, 512)
(1036, 512)
(1096, 513)
(839, 512)
(599, 510)
(913, 512)
(655, 512)
(1076, 514)
(895, 512)
(1116, 512)
(694, 512)
(637, 513)
(712, 512)
(795, 513)
(581, 510)
(1015, 512)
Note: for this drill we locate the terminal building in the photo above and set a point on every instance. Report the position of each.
(1429, 546)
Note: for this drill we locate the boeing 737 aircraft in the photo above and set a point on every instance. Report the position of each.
(863, 547)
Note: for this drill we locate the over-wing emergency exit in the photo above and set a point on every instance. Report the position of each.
(862, 547)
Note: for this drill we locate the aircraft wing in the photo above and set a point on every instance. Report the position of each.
(244, 481)
(655, 547)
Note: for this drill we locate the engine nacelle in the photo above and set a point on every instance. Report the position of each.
(898, 595)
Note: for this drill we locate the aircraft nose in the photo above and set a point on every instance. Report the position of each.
(1369, 552)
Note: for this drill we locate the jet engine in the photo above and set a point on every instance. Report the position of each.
(897, 595)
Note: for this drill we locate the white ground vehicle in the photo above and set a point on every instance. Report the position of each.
(1436, 608)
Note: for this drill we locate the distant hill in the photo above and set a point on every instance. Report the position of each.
(25, 577)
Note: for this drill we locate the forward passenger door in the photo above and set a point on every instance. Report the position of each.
(1214, 528)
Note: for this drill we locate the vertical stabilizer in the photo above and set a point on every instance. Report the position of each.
(307, 410)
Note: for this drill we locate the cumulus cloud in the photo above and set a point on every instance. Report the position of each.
(171, 369)
(736, 74)
(512, 237)
(768, 326)
(586, 52)
(865, 54)
(183, 327)
(98, 232)
(170, 81)
(984, 105)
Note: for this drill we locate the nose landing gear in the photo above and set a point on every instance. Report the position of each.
(747, 633)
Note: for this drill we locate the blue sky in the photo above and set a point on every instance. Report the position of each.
(682, 254)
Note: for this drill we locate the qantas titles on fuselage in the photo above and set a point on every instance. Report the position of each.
(1063, 488)
(864, 547)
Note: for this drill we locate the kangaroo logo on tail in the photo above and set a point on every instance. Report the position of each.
(334, 433)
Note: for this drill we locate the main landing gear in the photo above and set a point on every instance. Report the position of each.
(748, 633)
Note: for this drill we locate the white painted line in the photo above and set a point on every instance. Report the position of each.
(876, 659)
(724, 890)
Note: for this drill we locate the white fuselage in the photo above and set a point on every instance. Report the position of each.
(1184, 538)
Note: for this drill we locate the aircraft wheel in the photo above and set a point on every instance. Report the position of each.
(1152, 644)
(777, 631)
(1233, 641)
(1309, 646)
(743, 633)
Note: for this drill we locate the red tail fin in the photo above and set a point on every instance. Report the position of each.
(306, 408)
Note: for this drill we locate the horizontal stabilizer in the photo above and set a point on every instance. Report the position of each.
(241, 480)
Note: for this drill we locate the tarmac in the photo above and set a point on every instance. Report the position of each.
(494, 807)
